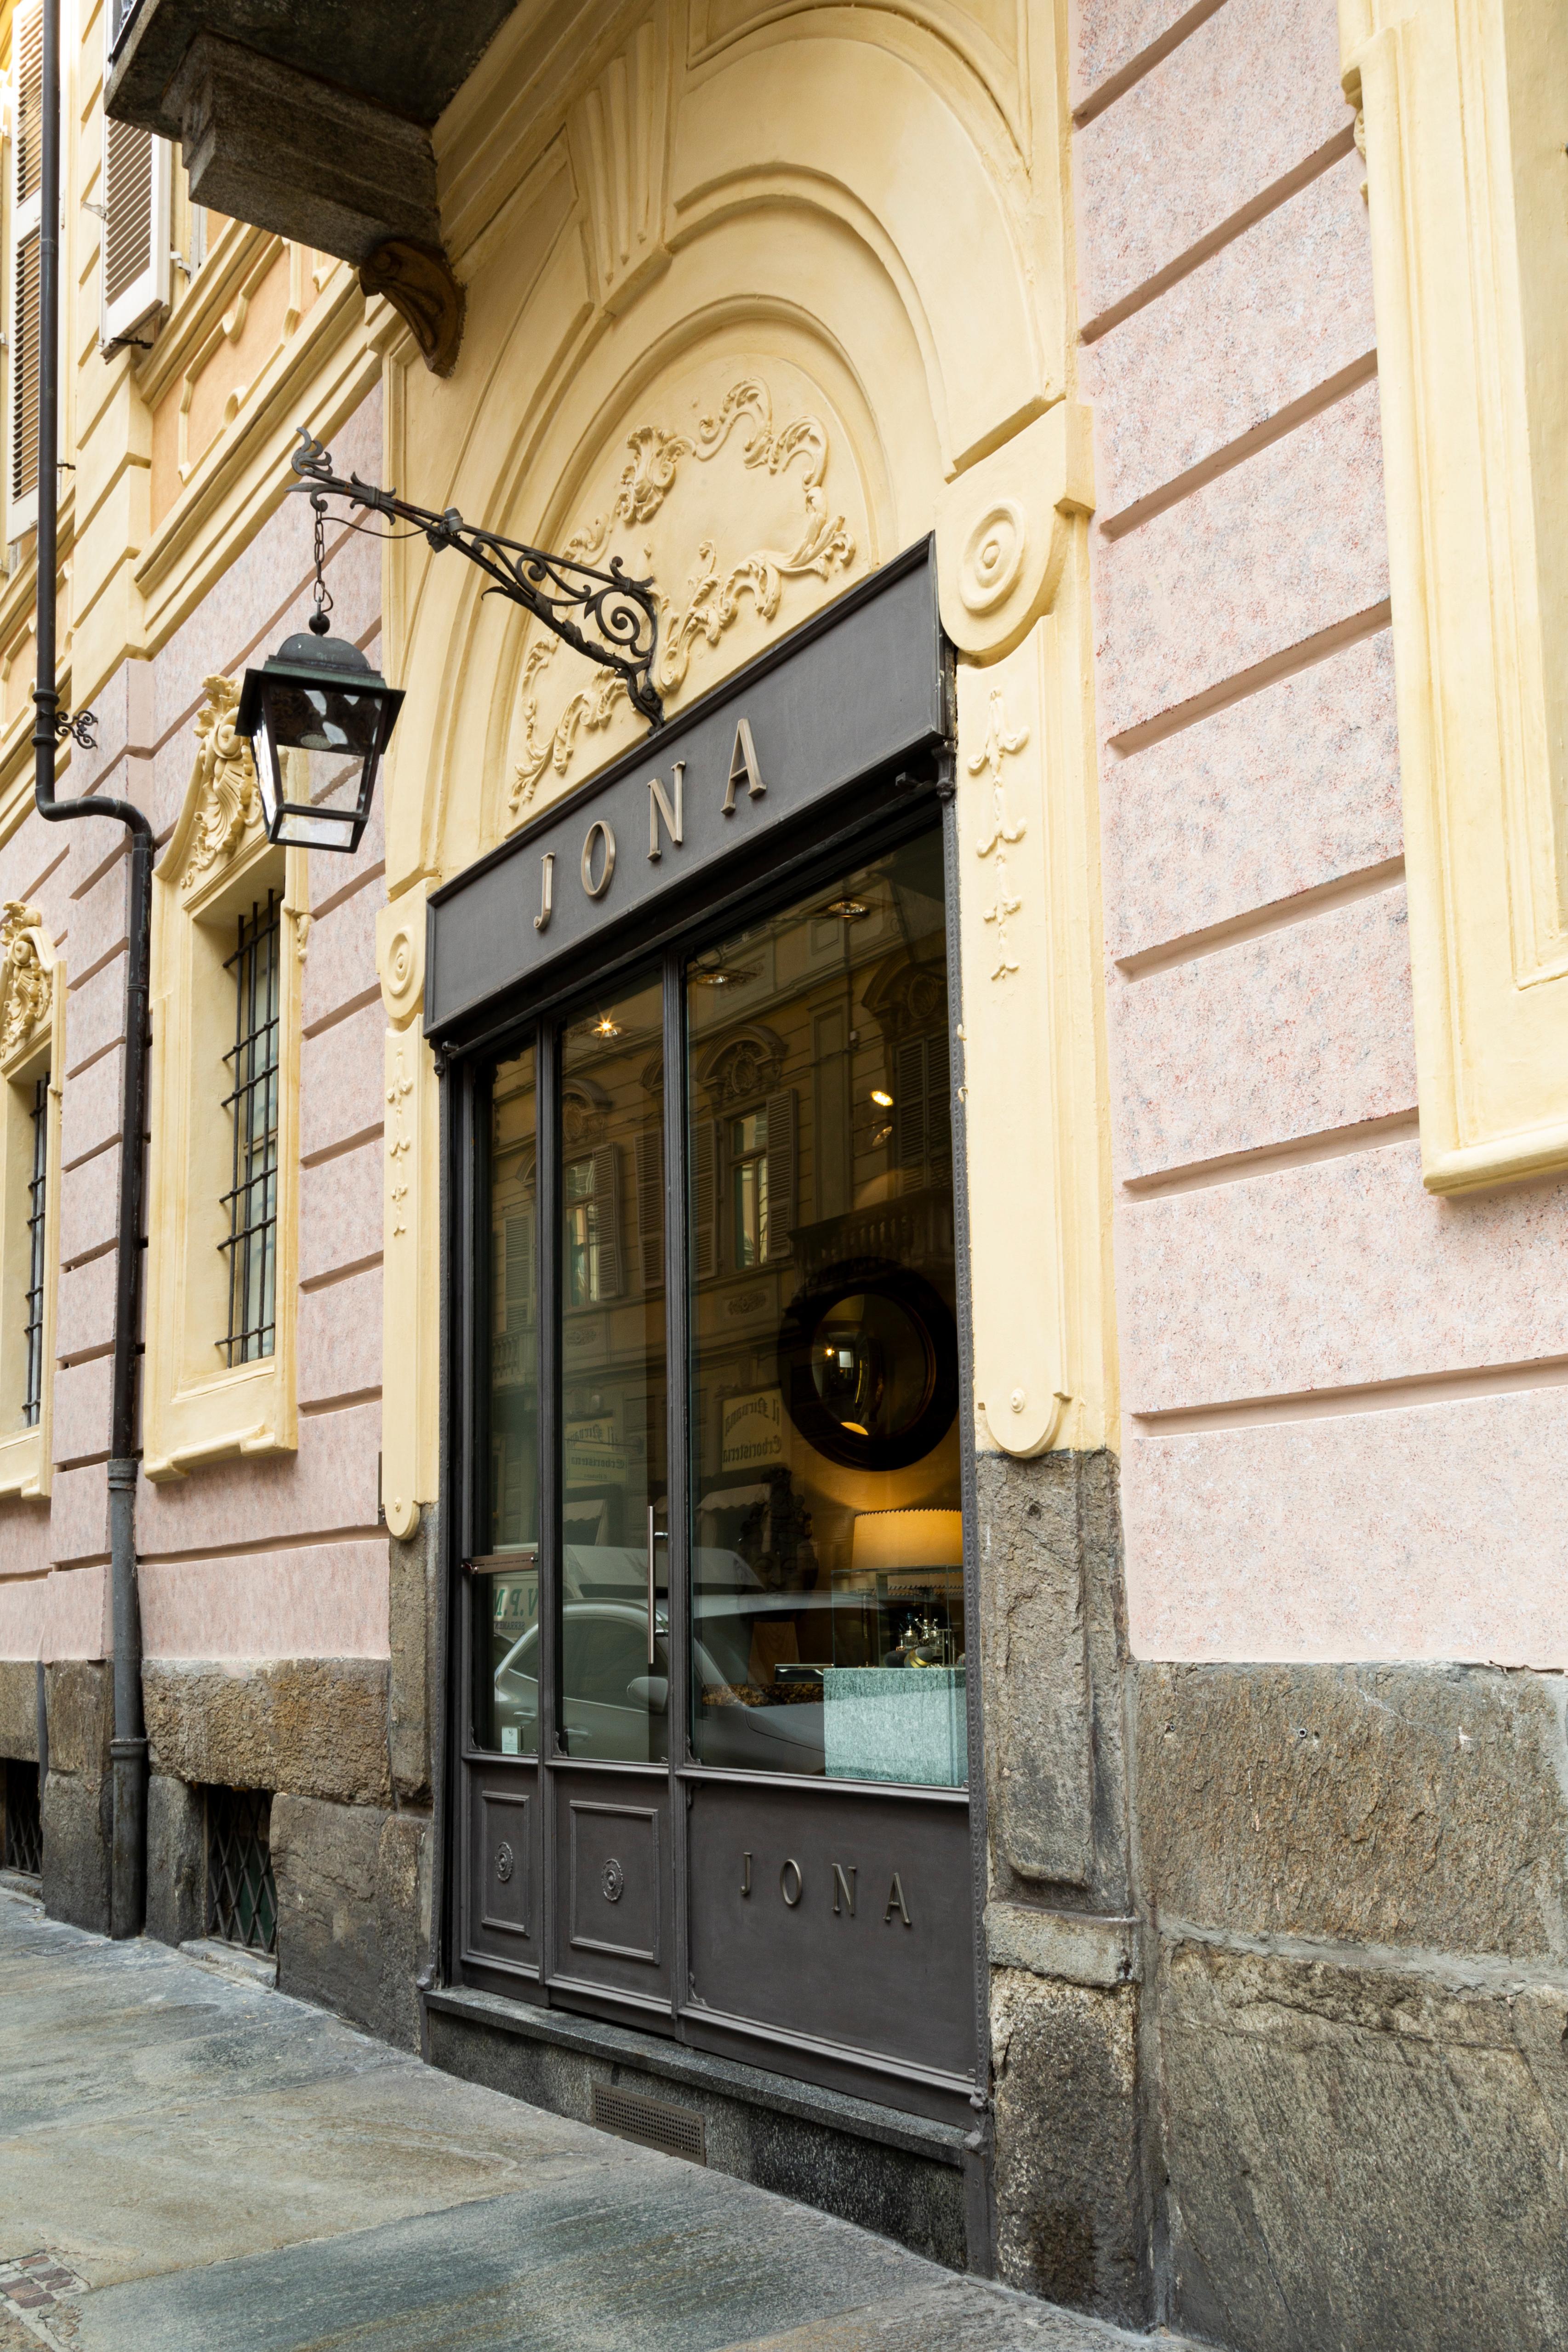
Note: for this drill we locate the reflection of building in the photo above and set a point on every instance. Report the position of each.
(1092, 961)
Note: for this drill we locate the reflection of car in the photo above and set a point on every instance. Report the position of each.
(610, 1688)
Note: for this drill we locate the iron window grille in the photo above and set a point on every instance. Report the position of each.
(252, 1103)
(37, 1204)
(24, 1823)
(242, 1898)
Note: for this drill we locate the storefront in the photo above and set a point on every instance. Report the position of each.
(712, 1729)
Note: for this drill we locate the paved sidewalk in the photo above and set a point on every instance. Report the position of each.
(189, 2162)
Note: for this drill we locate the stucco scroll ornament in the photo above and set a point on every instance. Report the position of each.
(228, 800)
(27, 981)
(714, 590)
(1002, 836)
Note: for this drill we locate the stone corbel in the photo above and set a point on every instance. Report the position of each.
(1005, 529)
(408, 1276)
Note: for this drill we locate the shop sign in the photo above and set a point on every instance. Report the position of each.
(594, 1457)
(849, 694)
(751, 1430)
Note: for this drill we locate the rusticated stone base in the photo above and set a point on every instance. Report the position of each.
(1069, 2205)
(353, 1910)
(176, 1861)
(78, 1798)
(19, 1708)
(1361, 2157)
(317, 1727)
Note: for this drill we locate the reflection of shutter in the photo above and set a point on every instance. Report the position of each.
(28, 48)
(780, 1173)
(704, 1201)
(136, 230)
(518, 1275)
(939, 1106)
(909, 1108)
(606, 1221)
(650, 1208)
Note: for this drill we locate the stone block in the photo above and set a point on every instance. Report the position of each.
(95, 1017)
(1107, 39)
(414, 1570)
(1074, 1946)
(1290, 788)
(1417, 1805)
(1414, 1531)
(78, 1796)
(353, 1911)
(1266, 555)
(86, 1312)
(329, 1485)
(98, 924)
(316, 1726)
(1261, 325)
(78, 1521)
(176, 1860)
(1163, 167)
(340, 1080)
(319, 1601)
(90, 1203)
(83, 1405)
(1069, 2204)
(89, 1110)
(1334, 1274)
(340, 1339)
(341, 1211)
(341, 959)
(1291, 1035)
(1049, 1559)
(1366, 2161)
(19, 1708)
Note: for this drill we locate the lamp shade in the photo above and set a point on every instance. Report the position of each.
(319, 718)
(886, 1540)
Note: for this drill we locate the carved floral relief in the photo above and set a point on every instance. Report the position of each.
(26, 981)
(716, 586)
(227, 797)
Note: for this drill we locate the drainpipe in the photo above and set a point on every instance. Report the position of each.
(128, 1748)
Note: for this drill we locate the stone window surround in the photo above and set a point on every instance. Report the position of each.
(1469, 273)
(218, 860)
(32, 1043)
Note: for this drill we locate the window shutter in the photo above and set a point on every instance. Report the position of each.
(607, 1220)
(134, 273)
(704, 1201)
(780, 1173)
(519, 1275)
(938, 1104)
(26, 166)
(651, 1209)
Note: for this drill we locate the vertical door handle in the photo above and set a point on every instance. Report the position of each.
(655, 1536)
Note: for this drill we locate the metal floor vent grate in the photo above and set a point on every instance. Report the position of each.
(24, 1827)
(655, 2123)
(242, 1900)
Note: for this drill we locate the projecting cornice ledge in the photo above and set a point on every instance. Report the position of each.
(333, 152)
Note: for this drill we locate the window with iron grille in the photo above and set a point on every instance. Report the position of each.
(242, 1900)
(37, 1205)
(252, 1103)
(24, 1826)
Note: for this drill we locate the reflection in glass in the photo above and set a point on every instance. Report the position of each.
(614, 1665)
(506, 1590)
(828, 1631)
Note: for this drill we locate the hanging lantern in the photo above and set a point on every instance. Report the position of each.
(319, 718)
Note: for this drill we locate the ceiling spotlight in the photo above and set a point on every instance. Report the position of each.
(883, 1135)
(852, 910)
(722, 975)
(882, 1099)
(605, 1026)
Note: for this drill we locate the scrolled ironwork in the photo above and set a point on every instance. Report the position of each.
(618, 626)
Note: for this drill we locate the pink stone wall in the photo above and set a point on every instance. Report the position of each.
(256, 1559)
(1346, 1401)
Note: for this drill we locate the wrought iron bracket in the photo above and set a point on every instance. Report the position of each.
(79, 725)
(621, 614)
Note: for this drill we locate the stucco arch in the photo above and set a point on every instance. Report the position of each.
(904, 298)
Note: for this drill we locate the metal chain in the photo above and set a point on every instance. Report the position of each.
(319, 621)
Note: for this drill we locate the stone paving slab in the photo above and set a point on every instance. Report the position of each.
(188, 2160)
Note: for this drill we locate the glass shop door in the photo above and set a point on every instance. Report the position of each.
(718, 1731)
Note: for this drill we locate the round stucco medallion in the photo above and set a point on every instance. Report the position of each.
(503, 1862)
(612, 1878)
(402, 962)
(993, 557)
